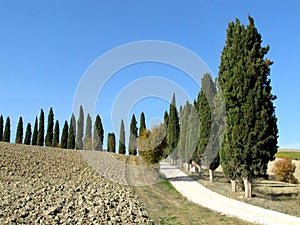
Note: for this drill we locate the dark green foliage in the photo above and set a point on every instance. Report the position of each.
(111, 142)
(206, 146)
(250, 139)
(166, 119)
(142, 124)
(35, 132)
(1, 128)
(173, 128)
(28, 133)
(88, 133)
(152, 144)
(133, 136)
(71, 134)
(80, 126)
(183, 137)
(122, 148)
(189, 132)
(98, 134)
(19, 134)
(55, 141)
(49, 134)
(41, 132)
(6, 135)
(192, 133)
(218, 129)
(64, 136)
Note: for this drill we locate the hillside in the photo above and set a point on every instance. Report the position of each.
(40, 185)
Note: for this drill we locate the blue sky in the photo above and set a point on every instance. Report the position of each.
(46, 47)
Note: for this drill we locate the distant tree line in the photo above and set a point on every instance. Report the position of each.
(73, 135)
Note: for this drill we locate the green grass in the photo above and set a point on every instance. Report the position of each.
(292, 155)
(167, 206)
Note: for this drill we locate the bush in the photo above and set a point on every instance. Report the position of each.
(152, 144)
(284, 170)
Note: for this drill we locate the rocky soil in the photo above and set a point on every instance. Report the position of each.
(40, 185)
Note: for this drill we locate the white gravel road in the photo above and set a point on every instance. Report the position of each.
(198, 194)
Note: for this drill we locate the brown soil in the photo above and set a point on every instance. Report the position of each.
(40, 185)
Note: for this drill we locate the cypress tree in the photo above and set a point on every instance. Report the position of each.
(71, 134)
(111, 142)
(192, 136)
(19, 134)
(183, 135)
(55, 141)
(1, 128)
(6, 136)
(35, 132)
(250, 140)
(98, 134)
(218, 129)
(206, 148)
(142, 124)
(173, 128)
(122, 148)
(133, 136)
(49, 134)
(28, 133)
(64, 136)
(80, 126)
(88, 133)
(41, 132)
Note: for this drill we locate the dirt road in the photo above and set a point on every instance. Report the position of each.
(197, 193)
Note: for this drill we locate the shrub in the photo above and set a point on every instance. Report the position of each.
(284, 170)
(152, 144)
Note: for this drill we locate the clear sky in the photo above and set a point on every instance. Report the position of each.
(46, 47)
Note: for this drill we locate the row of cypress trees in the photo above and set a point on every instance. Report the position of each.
(72, 136)
(52, 138)
(237, 121)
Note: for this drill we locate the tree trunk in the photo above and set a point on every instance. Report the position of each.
(248, 187)
(233, 185)
(211, 175)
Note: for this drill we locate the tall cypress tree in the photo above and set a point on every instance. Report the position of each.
(71, 134)
(64, 136)
(205, 110)
(88, 133)
(35, 132)
(250, 140)
(133, 136)
(142, 124)
(28, 133)
(98, 135)
(206, 147)
(6, 136)
(41, 132)
(173, 128)
(111, 142)
(122, 148)
(49, 134)
(55, 141)
(183, 135)
(192, 136)
(1, 128)
(80, 126)
(19, 134)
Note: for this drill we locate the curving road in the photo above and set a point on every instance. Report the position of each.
(198, 194)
